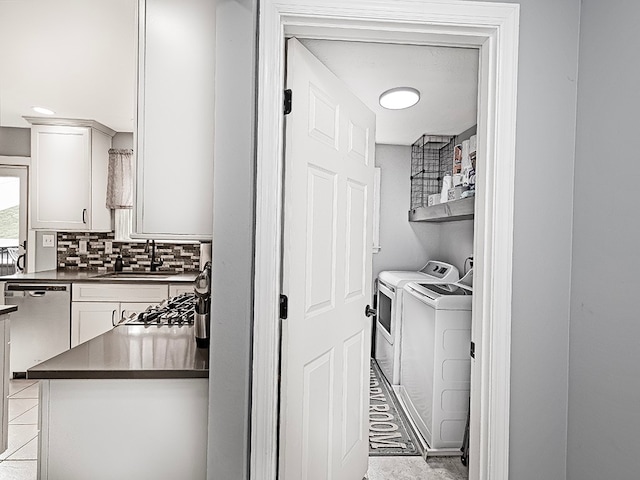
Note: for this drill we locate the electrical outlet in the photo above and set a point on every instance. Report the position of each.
(48, 240)
(82, 246)
(108, 248)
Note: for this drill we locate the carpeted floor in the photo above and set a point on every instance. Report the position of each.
(389, 430)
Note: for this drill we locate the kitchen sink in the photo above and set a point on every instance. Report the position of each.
(136, 275)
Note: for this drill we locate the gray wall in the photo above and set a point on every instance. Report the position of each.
(15, 142)
(408, 245)
(122, 140)
(233, 212)
(545, 129)
(545, 140)
(455, 243)
(542, 238)
(404, 245)
(604, 379)
(46, 258)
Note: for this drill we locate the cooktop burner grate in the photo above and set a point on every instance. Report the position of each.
(174, 311)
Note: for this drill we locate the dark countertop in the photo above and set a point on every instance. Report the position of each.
(95, 276)
(130, 351)
(5, 309)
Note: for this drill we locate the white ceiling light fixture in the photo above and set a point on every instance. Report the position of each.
(43, 111)
(399, 98)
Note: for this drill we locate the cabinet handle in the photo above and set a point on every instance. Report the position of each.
(113, 316)
(84, 215)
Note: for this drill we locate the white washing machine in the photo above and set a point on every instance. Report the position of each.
(389, 311)
(435, 367)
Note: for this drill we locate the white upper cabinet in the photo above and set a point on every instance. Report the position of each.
(68, 180)
(175, 120)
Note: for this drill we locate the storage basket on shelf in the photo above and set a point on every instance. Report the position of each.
(431, 160)
(442, 170)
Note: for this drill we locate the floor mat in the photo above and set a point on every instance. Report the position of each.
(389, 430)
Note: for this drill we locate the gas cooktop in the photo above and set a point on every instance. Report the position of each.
(174, 311)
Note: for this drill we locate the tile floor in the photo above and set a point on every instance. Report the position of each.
(18, 462)
(415, 468)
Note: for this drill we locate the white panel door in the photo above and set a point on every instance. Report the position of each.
(326, 274)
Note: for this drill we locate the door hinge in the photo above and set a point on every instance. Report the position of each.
(284, 307)
(287, 101)
(472, 350)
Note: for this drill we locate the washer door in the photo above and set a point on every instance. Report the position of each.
(384, 318)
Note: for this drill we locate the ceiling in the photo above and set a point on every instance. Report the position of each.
(446, 77)
(77, 58)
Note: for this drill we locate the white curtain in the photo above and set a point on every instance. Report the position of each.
(120, 190)
(120, 179)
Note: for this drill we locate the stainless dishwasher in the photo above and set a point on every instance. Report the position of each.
(40, 329)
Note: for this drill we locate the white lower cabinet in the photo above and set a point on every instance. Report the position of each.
(97, 307)
(176, 289)
(90, 319)
(97, 429)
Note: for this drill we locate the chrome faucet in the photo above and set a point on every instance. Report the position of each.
(154, 264)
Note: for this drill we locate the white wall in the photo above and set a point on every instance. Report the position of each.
(404, 245)
(604, 378)
(76, 57)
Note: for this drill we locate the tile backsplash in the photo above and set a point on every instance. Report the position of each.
(180, 257)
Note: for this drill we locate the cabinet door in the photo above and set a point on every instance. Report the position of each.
(60, 177)
(90, 319)
(119, 292)
(176, 289)
(175, 120)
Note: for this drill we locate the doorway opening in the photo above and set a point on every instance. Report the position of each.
(493, 28)
(414, 151)
(13, 219)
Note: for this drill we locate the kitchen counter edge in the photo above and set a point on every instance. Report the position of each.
(6, 309)
(93, 276)
(105, 356)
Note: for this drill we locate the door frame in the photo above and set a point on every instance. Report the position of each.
(21, 165)
(491, 27)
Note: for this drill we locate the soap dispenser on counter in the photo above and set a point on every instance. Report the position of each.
(117, 266)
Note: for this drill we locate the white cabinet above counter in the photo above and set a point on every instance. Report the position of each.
(175, 120)
(68, 179)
